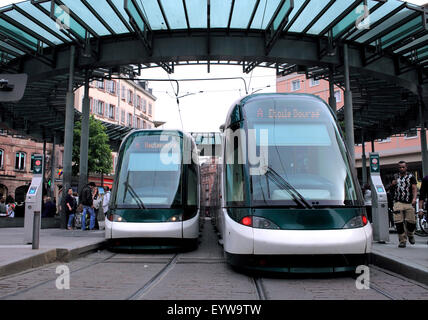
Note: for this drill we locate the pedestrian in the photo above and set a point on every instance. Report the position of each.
(106, 200)
(390, 193)
(2, 206)
(98, 201)
(60, 195)
(87, 200)
(404, 205)
(70, 208)
(49, 208)
(423, 194)
(368, 200)
(10, 207)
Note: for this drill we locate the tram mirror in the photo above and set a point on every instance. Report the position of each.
(12, 87)
(235, 115)
(222, 128)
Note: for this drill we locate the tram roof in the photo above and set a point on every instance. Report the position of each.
(36, 34)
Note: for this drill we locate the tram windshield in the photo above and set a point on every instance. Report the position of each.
(150, 173)
(299, 155)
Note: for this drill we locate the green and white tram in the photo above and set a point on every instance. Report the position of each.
(155, 196)
(291, 198)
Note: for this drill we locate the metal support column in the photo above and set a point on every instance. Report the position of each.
(68, 136)
(349, 117)
(423, 134)
(332, 98)
(44, 168)
(84, 137)
(363, 160)
(53, 159)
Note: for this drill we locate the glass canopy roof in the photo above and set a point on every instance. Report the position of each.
(30, 26)
(390, 28)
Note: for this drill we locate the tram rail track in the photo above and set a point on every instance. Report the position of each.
(16, 293)
(154, 280)
(378, 289)
(260, 289)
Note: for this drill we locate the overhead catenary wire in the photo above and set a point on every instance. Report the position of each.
(177, 100)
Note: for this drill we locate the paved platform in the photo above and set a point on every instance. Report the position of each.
(64, 245)
(411, 262)
(54, 245)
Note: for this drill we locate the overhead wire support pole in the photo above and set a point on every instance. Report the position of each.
(363, 159)
(84, 136)
(423, 135)
(349, 117)
(332, 98)
(68, 134)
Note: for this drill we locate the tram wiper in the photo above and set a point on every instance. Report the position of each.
(133, 194)
(284, 185)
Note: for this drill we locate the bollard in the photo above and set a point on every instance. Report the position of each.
(36, 229)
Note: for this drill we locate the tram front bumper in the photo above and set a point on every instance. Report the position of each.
(310, 242)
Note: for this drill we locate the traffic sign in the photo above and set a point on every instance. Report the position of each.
(374, 163)
(38, 164)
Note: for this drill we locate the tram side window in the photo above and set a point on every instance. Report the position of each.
(192, 186)
(235, 176)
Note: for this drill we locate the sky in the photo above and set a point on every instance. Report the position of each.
(204, 104)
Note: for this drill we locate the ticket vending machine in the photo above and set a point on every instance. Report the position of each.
(380, 219)
(33, 200)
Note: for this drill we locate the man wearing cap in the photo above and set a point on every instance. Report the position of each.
(86, 199)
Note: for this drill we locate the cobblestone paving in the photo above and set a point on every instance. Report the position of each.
(198, 275)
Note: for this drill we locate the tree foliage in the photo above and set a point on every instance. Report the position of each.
(99, 152)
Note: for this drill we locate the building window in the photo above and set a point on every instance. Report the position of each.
(122, 116)
(99, 107)
(129, 119)
(123, 93)
(1, 158)
(412, 133)
(338, 95)
(111, 86)
(383, 140)
(130, 97)
(111, 111)
(138, 102)
(100, 84)
(295, 85)
(314, 82)
(150, 109)
(138, 123)
(20, 161)
(144, 105)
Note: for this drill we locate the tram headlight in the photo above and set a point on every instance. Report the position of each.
(263, 223)
(356, 222)
(116, 218)
(175, 218)
(258, 222)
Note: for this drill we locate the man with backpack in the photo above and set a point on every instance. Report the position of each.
(86, 198)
